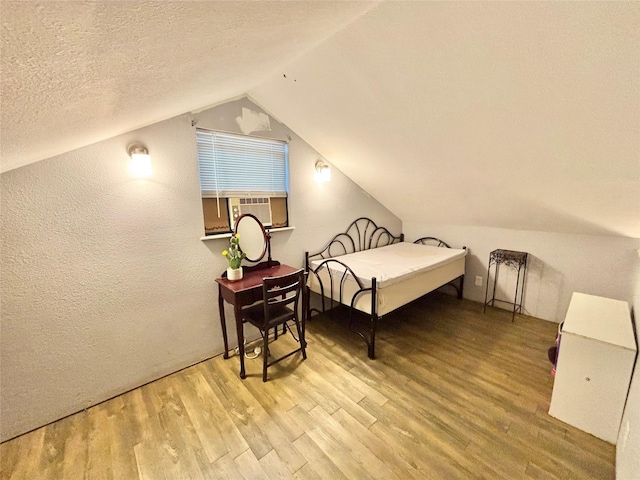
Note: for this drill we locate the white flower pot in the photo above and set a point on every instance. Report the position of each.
(234, 274)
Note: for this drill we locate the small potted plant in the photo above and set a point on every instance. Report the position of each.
(235, 256)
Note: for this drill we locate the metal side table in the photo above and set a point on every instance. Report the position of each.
(510, 258)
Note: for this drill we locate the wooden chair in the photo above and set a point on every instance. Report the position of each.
(280, 304)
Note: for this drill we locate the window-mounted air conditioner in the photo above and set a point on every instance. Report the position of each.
(258, 206)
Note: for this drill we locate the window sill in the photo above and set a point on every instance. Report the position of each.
(228, 235)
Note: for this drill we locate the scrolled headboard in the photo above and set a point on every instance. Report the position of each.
(432, 241)
(362, 234)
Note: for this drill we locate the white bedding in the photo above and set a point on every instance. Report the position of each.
(403, 272)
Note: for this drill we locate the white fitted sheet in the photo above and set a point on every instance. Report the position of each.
(403, 272)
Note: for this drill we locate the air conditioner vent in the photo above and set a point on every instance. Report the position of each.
(258, 206)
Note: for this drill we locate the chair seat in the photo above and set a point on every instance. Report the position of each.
(278, 314)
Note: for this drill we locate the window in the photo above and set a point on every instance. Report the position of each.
(241, 174)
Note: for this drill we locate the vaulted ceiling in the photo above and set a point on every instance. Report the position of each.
(522, 115)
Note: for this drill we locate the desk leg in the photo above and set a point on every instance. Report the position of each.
(238, 314)
(223, 323)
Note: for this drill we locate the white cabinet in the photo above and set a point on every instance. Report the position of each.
(595, 362)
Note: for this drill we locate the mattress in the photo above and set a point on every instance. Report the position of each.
(403, 272)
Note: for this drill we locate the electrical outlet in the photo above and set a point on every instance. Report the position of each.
(478, 281)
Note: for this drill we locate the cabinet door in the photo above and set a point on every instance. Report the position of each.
(591, 383)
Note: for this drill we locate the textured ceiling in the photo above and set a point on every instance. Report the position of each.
(76, 72)
(522, 115)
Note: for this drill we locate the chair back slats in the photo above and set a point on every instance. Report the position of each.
(281, 292)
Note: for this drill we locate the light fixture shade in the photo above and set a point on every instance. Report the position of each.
(323, 172)
(140, 163)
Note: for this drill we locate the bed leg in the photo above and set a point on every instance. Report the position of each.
(372, 342)
(374, 319)
(461, 287)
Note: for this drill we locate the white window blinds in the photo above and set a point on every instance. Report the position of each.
(240, 166)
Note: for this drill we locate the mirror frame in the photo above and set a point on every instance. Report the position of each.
(267, 238)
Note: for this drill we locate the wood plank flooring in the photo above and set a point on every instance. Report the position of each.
(453, 394)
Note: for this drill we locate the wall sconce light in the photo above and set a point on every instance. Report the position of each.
(323, 172)
(140, 163)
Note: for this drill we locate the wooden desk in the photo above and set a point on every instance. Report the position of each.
(244, 292)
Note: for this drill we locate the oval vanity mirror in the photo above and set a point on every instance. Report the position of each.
(254, 240)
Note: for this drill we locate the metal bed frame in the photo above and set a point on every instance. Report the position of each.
(362, 234)
(439, 243)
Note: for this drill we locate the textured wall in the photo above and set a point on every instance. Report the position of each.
(106, 284)
(559, 264)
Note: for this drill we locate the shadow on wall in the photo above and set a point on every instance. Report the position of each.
(541, 292)
(542, 289)
(473, 268)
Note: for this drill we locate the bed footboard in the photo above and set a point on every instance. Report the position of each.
(362, 234)
(335, 274)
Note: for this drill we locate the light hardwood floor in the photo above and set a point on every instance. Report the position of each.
(453, 394)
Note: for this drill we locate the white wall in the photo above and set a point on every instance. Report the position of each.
(106, 284)
(628, 445)
(559, 264)
(513, 115)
